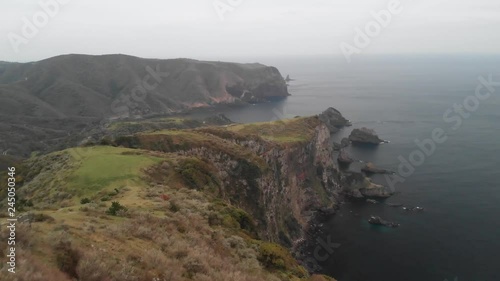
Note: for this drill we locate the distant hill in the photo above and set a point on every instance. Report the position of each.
(49, 99)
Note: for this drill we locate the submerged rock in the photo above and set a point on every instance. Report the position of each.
(359, 186)
(333, 119)
(378, 221)
(370, 168)
(417, 209)
(376, 191)
(365, 136)
(394, 205)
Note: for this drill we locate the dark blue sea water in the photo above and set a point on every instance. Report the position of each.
(404, 98)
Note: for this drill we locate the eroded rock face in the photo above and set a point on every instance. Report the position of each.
(333, 119)
(365, 136)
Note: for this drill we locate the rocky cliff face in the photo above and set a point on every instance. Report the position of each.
(302, 180)
(281, 180)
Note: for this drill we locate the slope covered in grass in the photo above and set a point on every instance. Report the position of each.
(62, 178)
(106, 167)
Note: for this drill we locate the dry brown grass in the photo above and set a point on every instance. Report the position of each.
(166, 235)
(155, 243)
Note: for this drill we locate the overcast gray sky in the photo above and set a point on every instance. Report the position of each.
(193, 28)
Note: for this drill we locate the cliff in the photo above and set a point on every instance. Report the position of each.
(281, 172)
(199, 198)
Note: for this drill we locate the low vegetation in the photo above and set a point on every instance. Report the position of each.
(300, 129)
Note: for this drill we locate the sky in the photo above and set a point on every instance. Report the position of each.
(218, 29)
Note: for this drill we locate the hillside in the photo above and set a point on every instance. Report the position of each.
(227, 202)
(51, 99)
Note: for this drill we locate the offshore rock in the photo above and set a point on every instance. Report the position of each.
(365, 136)
(344, 158)
(378, 221)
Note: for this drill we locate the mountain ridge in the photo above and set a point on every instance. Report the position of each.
(83, 89)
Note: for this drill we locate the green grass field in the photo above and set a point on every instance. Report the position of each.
(105, 167)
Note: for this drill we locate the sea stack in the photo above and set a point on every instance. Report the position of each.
(365, 136)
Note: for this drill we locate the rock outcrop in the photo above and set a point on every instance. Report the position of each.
(344, 157)
(345, 143)
(365, 136)
(357, 185)
(334, 120)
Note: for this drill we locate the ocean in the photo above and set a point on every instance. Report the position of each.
(404, 98)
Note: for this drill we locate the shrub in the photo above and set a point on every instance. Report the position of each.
(67, 258)
(106, 141)
(94, 267)
(128, 141)
(115, 208)
(194, 266)
(85, 201)
(33, 269)
(42, 218)
(274, 256)
(244, 220)
(197, 174)
(174, 207)
(214, 219)
(24, 202)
